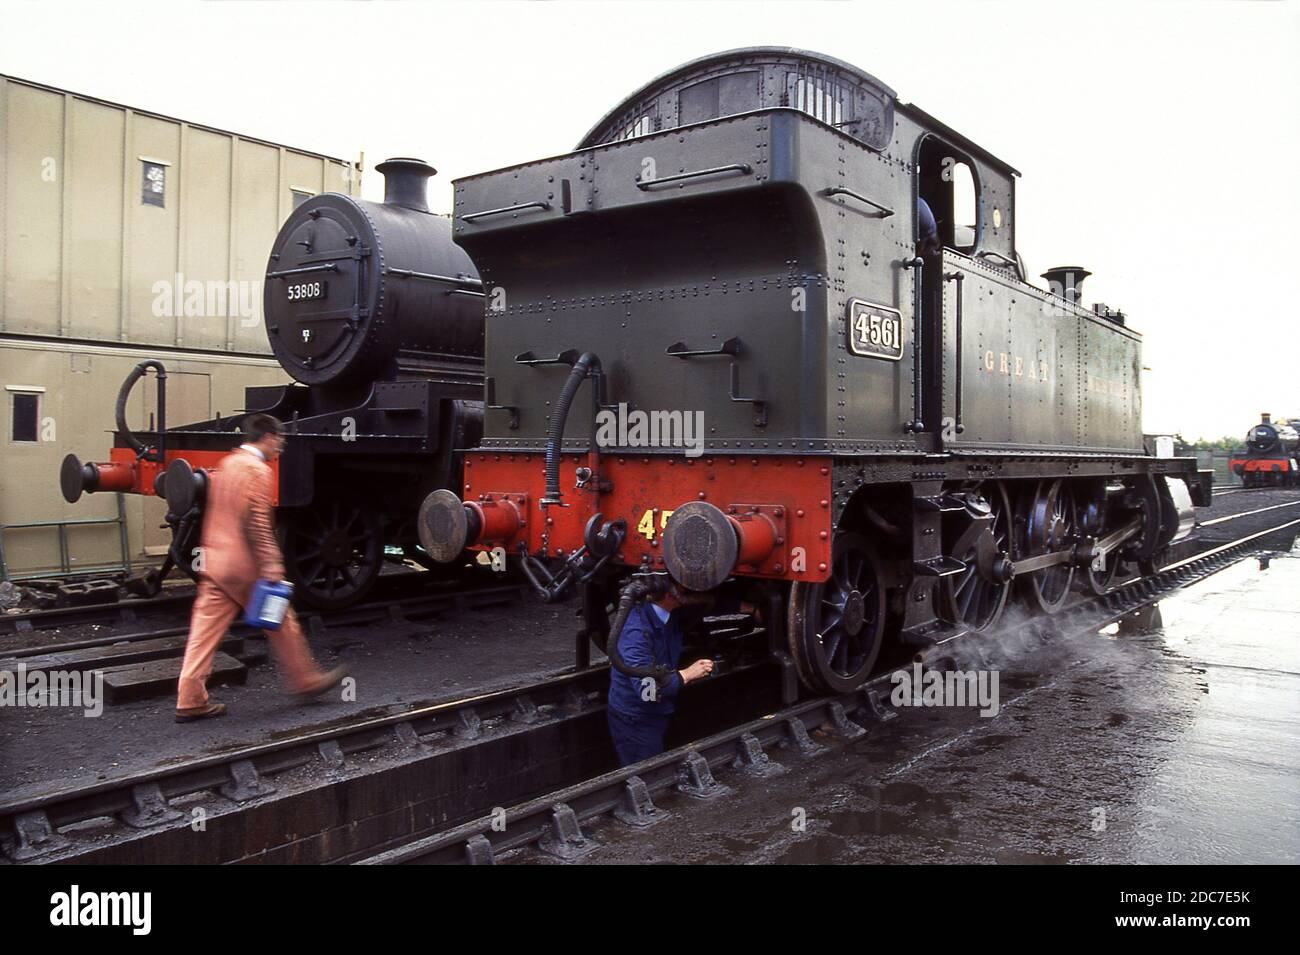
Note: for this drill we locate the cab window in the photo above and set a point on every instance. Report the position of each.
(946, 182)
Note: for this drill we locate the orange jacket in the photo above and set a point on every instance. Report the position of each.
(238, 541)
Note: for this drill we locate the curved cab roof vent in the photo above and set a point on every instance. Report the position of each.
(406, 182)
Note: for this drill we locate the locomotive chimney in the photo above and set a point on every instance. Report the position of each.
(406, 182)
(1266, 418)
(1067, 282)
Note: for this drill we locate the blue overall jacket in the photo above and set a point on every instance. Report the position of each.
(647, 641)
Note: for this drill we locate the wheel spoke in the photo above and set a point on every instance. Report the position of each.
(840, 662)
(855, 562)
(967, 578)
(966, 601)
(831, 639)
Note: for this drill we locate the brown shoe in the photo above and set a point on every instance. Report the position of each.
(192, 713)
(318, 685)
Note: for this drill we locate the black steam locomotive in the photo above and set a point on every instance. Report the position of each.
(882, 434)
(1271, 457)
(377, 315)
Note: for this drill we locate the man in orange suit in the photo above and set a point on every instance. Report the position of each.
(237, 548)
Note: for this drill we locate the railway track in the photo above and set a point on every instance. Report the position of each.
(1258, 510)
(136, 609)
(411, 601)
(116, 612)
(421, 785)
(143, 664)
(1229, 489)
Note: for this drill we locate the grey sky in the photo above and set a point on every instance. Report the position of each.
(1157, 140)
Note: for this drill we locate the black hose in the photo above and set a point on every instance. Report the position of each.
(632, 594)
(124, 394)
(555, 430)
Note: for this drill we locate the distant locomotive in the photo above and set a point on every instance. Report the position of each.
(376, 313)
(1271, 456)
(889, 440)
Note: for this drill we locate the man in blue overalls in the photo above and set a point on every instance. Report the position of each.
(639, 710)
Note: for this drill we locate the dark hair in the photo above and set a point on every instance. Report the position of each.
(258, 426)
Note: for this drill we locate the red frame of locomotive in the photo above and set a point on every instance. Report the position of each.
(778, 505)
(128, 473)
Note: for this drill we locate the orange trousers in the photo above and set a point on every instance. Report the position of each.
(213, 613)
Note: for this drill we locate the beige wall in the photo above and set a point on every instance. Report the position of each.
(76, 410)
(82, 253)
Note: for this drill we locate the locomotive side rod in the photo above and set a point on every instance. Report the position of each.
(1083, 554)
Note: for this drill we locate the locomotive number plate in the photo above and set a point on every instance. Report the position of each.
(875, 331)
(306, 291)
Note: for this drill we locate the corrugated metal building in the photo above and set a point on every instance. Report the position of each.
(125, 235)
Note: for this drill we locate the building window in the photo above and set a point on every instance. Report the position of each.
(300, 196)
(24, 416)
(154, 186)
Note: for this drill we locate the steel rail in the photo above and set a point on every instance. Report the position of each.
(52, 617)
(104, 613)
(1258, 510)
